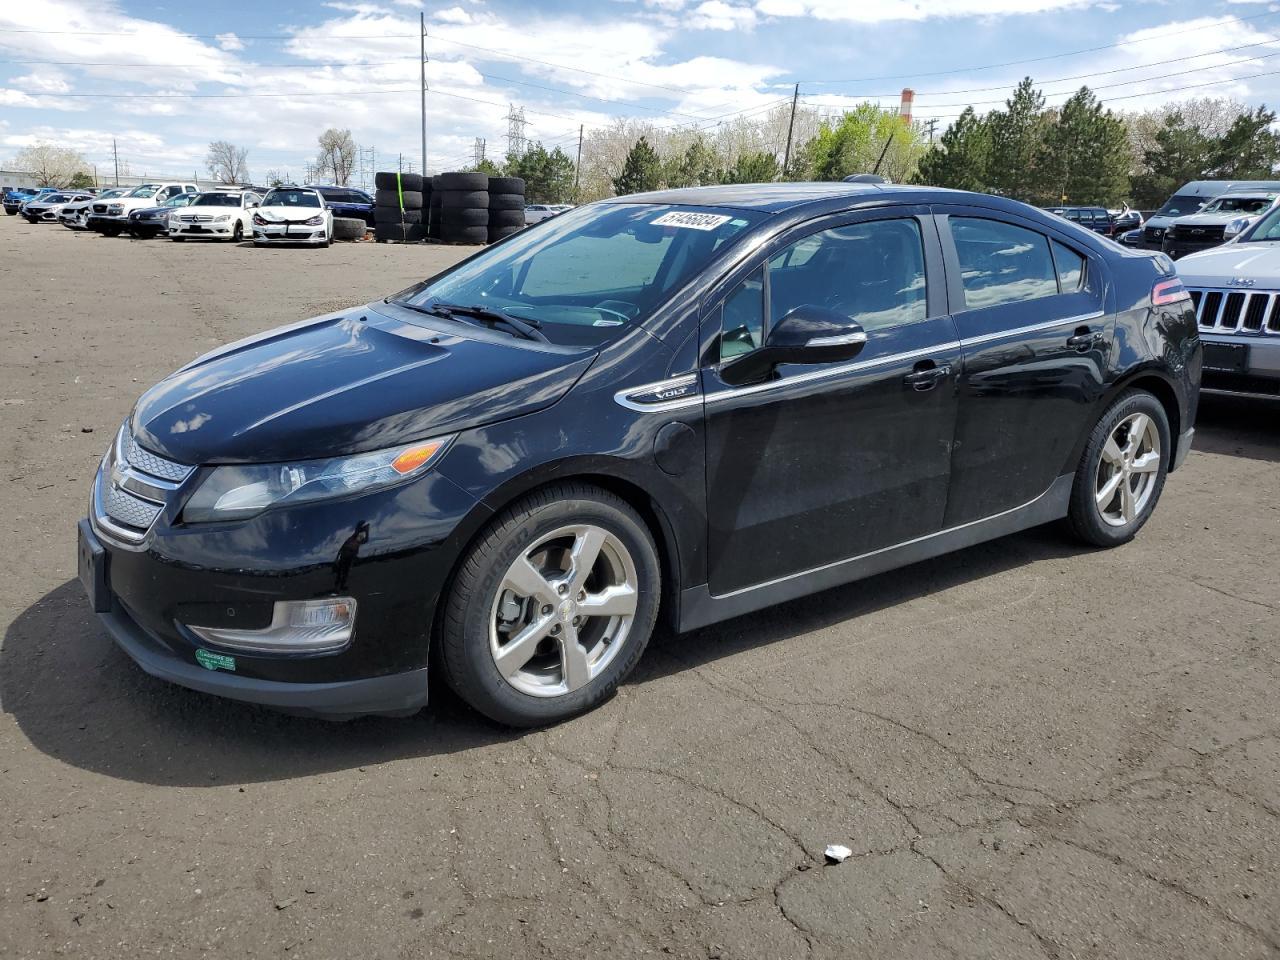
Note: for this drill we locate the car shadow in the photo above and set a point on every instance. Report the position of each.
(1238, 427)
(79, 699)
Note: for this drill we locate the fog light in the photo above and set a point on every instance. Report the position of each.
(297, 626)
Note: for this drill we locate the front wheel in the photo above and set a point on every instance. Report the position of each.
(238, 233)
(1122, 471)
(552, 607)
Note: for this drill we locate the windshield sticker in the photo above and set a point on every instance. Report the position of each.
(691, 221)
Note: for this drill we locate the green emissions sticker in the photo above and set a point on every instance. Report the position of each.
(215, 661)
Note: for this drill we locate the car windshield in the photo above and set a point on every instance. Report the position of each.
(585, 276)
(1265, 229)
(217, 200)
(1237, 205)
(1180, 206)
(144, 191)
(181, 200)
(57, 198)
(291, 198)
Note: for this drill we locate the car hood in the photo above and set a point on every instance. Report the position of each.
(360, 379)
(289, 214)
(1258, 262)
(151, 211)
(1212, 219)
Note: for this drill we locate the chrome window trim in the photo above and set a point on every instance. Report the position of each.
(1033, 328)
(623, 397)
(828, 372)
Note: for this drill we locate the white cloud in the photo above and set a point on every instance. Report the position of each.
(47, 81)
(229, 41)
(884, 11)
(452, 15)
(718, 15)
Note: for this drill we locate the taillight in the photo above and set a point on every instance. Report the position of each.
(1166, 292)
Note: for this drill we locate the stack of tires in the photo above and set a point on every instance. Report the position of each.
(399, 202)
(464, 208)
(506, 207)
(432, 209)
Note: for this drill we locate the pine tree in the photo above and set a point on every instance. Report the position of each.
(1249, 150)
(641, 171)
(754, 168)
(962, 157)
(1017, 133)
(1181, 154)
(1084, 156)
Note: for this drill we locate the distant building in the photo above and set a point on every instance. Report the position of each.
(16, 178)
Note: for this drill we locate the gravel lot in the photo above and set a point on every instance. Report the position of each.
(1033, 750)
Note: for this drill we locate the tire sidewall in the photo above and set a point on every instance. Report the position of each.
(1085, 515)
(481, 683)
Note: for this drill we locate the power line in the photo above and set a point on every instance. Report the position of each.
(1054, 56)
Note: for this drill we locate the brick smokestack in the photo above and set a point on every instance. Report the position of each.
(904, 108)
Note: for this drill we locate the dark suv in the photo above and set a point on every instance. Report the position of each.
(348, 202)
(1096, 219)
(698, 402)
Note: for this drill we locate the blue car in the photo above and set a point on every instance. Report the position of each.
(15, 197)
(348, 202)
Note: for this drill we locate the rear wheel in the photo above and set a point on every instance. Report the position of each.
(1122, 471)
(112, 231)
(552, 608)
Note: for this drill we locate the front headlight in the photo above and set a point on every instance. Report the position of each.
(1236, 227)
(236, 492)
(222, 219)
(259, 220)
(314, 221)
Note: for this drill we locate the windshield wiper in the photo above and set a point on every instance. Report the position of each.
(527, 328)
(488, 317)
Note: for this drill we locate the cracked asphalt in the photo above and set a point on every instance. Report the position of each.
(1033, 750)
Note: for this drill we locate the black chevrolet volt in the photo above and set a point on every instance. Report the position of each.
(688, 405)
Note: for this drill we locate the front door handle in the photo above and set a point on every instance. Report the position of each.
(927, 375)
(1083, 339)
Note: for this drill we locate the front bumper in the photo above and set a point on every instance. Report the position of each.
(397, 694)
(1177, 247)
(289, 233)
(204, 230)
(1249, 366)
(391, 550)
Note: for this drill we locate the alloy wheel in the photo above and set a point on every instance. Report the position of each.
(1128, 470)
(563, 610)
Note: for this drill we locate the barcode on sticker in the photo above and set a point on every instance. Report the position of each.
(691, 221)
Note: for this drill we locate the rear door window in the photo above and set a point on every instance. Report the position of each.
(1002, 263)
(1070, 266)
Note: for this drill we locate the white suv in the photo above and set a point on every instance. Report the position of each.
(218, 215)
(112, 216)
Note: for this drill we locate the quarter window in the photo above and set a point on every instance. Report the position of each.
(1001, 263)
(1070, 268)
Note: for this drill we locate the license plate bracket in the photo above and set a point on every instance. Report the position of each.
(91, 565)
(1227, 357)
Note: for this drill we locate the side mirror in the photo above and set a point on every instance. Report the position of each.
(252, 204)
(808, 334)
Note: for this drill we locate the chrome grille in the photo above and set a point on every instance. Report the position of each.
(123, 507)
(1237, 311)
(99, 208)
(148, 462)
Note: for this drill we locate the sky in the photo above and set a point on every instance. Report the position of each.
(163, 80)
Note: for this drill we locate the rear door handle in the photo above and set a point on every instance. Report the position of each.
(1083, 339)
(927, 375)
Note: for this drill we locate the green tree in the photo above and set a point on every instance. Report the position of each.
(641, 171)
(1017, 137)
(759, 167)
(548, 177)
(856, 143)
(81, 181)
(1083, 156)
(698, 166)
(1182, 153)
(486, 166)
(1250, 149)
(963, 156)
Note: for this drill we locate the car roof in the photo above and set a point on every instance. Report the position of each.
(777, 197)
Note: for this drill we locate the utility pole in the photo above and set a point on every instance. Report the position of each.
(930, 126)
(577, 169)
(786, 160)
(422, 50)
(116, 155)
